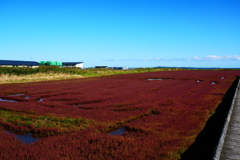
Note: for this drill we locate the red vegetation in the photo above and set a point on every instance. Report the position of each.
(162, 117)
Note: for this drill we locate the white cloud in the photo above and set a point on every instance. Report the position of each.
(216, 58)
(144, 59)
(235, 57)
(158, 59)
(195, 58)
(213, 57)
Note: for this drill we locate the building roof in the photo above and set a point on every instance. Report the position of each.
(71, 63)
(25, 63)
(101, 66)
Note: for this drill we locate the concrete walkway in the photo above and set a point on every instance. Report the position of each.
(230, 147)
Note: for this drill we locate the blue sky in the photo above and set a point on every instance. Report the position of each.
(130, 33)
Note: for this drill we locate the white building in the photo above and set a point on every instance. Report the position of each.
(73, 64)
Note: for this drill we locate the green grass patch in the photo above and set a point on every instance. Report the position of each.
(92, 72)
(44, 121)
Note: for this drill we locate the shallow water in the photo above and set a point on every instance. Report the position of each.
(154, 79)
(120, 131)
(6, 100)
(26, 138)
(40, 100)
(17, 94)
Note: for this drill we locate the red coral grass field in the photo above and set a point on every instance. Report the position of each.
(160, 115)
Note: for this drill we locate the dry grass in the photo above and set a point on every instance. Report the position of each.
(5, 78)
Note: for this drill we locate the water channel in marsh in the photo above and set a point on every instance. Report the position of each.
(26, 138)
(120, 131)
